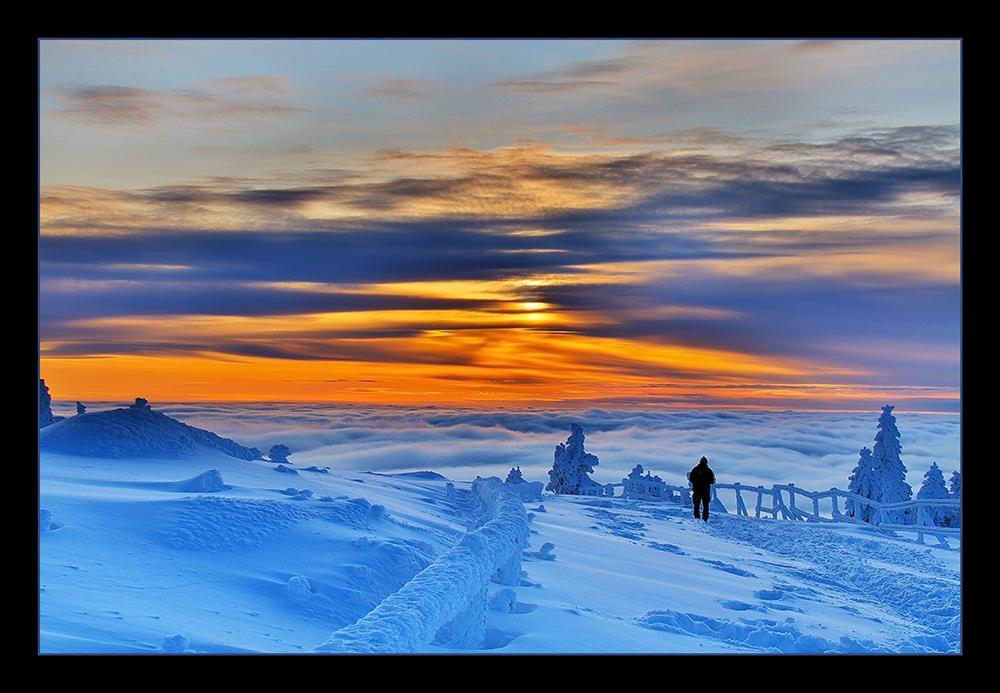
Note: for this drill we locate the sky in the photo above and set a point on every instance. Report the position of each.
(502, 224)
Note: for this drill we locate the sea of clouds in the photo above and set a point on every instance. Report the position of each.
(814, 450)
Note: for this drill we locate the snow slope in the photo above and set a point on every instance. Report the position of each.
(135, 431)
(210, 553)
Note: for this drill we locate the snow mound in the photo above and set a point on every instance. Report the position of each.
(298, 589)
(45, 523)
(206, 482)
(137, 431)
(175, 644)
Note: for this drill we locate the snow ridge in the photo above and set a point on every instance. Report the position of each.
(447, 600)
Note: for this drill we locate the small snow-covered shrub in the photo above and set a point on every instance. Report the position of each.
(503, 600)
(279, 453)
(529, 491)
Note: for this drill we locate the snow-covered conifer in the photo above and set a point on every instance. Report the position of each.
(864, 482)
(514, 476)
(572, 466)
(890, 466)
(933, 488)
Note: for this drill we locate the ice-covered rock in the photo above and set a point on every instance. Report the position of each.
(206, 482)
(648, 487)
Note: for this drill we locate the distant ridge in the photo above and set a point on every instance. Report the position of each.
(136, 431)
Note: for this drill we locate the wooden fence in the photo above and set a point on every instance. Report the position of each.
(788, 502)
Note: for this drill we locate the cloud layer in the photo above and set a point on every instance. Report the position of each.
(814, 450)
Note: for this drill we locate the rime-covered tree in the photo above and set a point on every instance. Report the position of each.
(892, 473)
(45, 417)
(572, 466)
(864, 482)
(933, 488)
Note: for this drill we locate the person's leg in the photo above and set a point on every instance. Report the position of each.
(703, 500)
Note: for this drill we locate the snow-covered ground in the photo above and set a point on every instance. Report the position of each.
(209, 553)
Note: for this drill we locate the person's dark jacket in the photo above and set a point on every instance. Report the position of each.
(701, 477)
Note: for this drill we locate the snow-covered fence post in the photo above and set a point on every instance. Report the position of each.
(450, 592)
(716, 504)
(922, 521)
(778, 503)
(793, 511)
(741, 508)
(835, 511)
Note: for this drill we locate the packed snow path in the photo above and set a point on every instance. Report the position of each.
(786, 585)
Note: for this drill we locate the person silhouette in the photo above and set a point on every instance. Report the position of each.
(701, 477)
